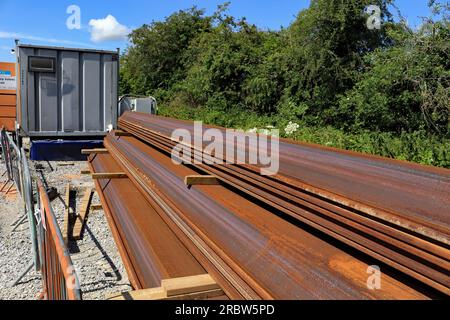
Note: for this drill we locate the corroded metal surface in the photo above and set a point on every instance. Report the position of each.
(277, 258)
(151, 248)
(407, 244)
(412, 195)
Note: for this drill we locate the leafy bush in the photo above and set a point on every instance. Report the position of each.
(382, 92)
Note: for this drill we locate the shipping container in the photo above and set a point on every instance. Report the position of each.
(8, 86)
(67, 92)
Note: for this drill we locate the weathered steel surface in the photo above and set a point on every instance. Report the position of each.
(278, 258)
(414, 196)
(402, 248)
(152, 249)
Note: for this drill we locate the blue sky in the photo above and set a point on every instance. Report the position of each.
(44, 21)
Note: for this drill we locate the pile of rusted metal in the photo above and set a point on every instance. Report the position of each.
(309, 232)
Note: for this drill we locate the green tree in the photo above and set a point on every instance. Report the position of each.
(327, 43)
(154, 60)
(404, 87)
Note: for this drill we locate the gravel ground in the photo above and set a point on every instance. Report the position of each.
(15, 250)
(95, 257)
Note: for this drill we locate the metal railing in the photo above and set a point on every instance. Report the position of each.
(12, 159)
(50, 254)
(58, 273)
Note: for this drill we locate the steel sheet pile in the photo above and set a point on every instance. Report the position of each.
(309, 232)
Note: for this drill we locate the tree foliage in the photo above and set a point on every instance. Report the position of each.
(326, 69)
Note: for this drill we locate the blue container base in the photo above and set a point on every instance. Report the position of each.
(62, 150)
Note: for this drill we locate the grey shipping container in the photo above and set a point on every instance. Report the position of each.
(66, 92)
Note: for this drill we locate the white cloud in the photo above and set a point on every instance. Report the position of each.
(21, 36)
(107, 29)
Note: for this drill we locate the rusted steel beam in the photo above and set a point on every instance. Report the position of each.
(152, 251)
(281, 195)
(285, 269)
(414, 197)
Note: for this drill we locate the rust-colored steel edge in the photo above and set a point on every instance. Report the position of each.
(435, 231)
(426, 228)
(66, 265)
(428, 168)
(155, 250)
(280, 191)
(274, 193)
(131, 272)
(233, 285)
(405, 261)
(414, 268)
(423, 228)
(143, 180)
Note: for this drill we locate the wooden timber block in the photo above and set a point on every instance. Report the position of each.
(94, 151)
(188, 285)
(146, 294)
(95, 207)
(85, 172)
(122, 134)
(198, 295)
(201, 181)
(67, 216)
(115, 175)
(188, 288)
(65, 164)
(160, 294)
(82, 217)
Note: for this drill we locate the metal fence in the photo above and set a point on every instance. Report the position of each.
(11, 156)
(50, 255)
(58, 274)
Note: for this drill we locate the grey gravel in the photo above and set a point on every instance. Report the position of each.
(96, 259)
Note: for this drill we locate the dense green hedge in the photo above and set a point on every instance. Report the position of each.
(416, 147)
(380, 91)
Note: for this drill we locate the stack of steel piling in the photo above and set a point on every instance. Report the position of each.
(309, 232)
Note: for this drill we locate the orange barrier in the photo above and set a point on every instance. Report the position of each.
(8, 95)
(60, 281)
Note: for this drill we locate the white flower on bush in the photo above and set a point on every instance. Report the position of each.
(291, 128)
(270, 131)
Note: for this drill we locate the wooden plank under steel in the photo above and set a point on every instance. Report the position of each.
(95, 207)
(67, 216)
(198, 287)
(187, 285)
(82, 216)
(110, 175)
(196, 180)
(122, 134)
(94, 151)
(160, 294)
